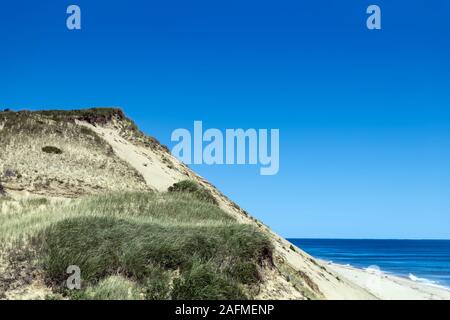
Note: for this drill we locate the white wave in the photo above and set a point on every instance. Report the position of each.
(417, 279)
(427, 282)
(374, 269)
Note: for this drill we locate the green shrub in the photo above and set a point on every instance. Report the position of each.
(204, 282)
(87, 131)
(192, 187)
(245, 271)
(92, 134)
(36, 202)
(52, 150)
(157, 284)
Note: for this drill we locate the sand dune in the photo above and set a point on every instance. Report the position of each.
(113, 156)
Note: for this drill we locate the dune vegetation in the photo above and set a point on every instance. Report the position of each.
(137, 245)
(87, 188)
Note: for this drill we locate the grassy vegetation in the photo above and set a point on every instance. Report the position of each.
(204, 282)
(192, 187)
(52, 150)
(141, 246)
(52, 124)
(110, 288)
(38, 123)
(99, 114)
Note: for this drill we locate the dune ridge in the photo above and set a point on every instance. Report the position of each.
(103, 152)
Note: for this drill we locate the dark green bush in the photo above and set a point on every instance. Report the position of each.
(245, 271)
(193, 188)
(157, 284)
(204, 282)
(51, 149)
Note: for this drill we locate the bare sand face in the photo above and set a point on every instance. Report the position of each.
(146, 161)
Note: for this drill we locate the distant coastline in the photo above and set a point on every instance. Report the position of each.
(390, 269)
(390, 287)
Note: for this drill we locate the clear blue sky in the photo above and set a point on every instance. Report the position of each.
(364, 116)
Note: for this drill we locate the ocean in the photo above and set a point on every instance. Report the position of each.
(426, 261)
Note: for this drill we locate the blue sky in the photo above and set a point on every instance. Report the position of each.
(364, 116)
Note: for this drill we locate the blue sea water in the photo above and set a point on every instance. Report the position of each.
(425, 261)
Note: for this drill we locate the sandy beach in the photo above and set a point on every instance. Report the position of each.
(389, 287)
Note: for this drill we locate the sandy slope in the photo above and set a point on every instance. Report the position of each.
(322, 283)
(145, 160)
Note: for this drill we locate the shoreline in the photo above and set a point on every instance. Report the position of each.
(388, 286)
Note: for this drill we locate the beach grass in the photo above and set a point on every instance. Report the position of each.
(138, 245)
